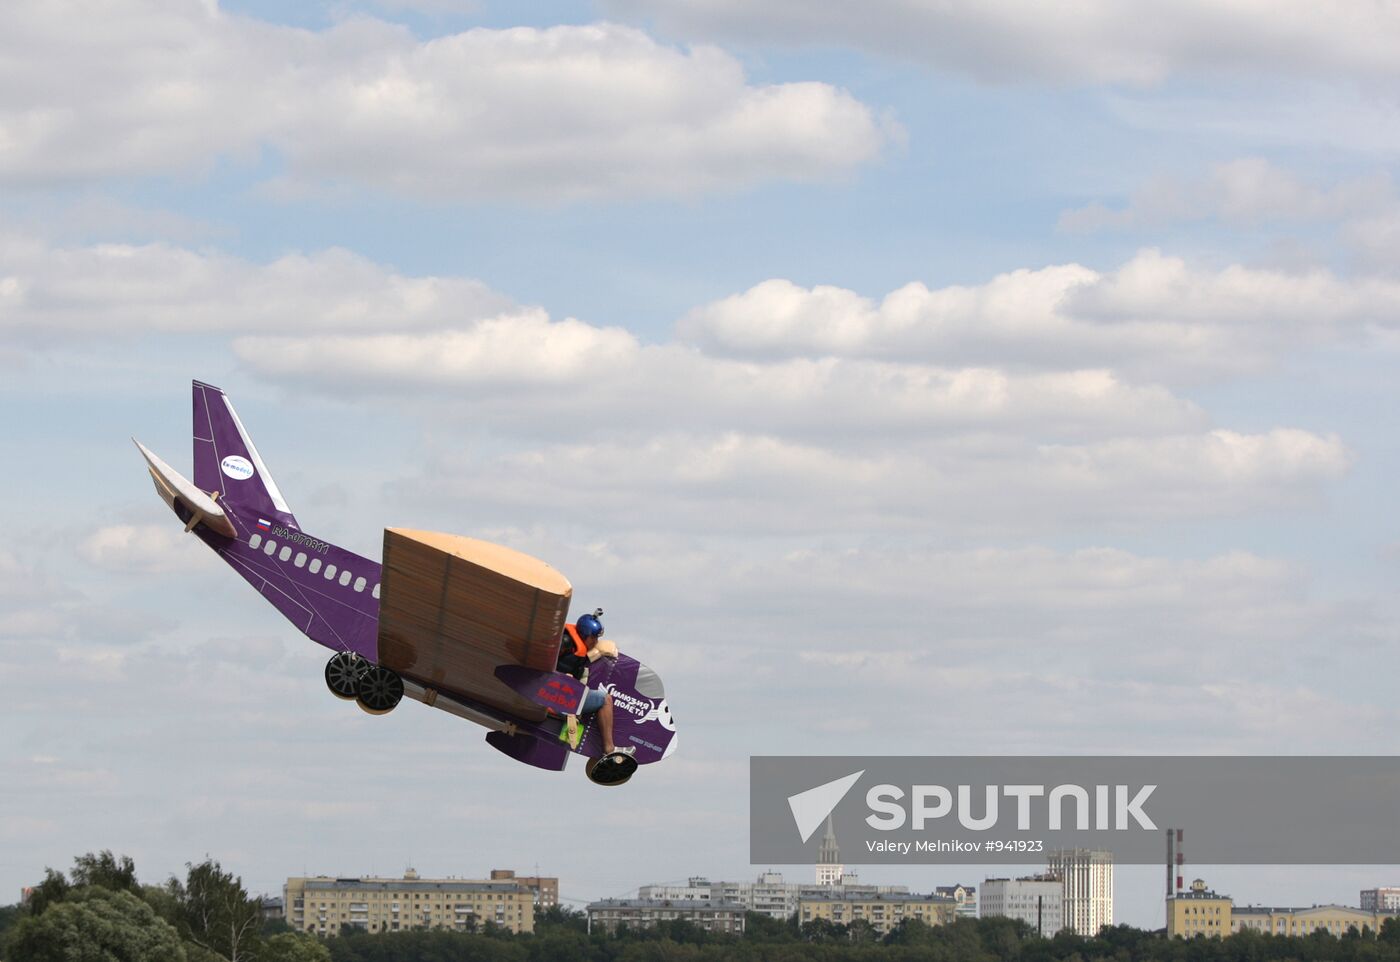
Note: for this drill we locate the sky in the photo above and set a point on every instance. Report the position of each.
(901, 378)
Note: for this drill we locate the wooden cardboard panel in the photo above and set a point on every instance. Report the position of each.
(452, 609)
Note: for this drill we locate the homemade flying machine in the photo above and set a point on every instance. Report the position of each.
(466, 626)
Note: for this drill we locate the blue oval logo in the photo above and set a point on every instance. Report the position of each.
(236, 467)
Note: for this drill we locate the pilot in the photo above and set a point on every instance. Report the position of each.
(581, 645)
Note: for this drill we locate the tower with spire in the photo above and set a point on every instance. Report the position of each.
(829, 867)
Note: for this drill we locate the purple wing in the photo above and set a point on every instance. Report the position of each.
(530, 750)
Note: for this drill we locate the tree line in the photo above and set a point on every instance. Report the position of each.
(99, 912)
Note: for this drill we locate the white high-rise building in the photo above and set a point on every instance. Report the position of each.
(1087, 885)
(1385, 899)
(1037, 900)
(770, 894)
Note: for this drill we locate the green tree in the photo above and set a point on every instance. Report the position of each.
(274, 926)
(163, 901)
(216, 913)
(105, 870)
(562, 917)
(96, 925)
(9, 915)
(1003, 937)
(861, 931)
(760, 927)
(909, 931)
(680, 931)
(53, 889)
(823, 930)
(291, 947)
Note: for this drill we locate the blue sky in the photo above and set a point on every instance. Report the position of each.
(1027, 375)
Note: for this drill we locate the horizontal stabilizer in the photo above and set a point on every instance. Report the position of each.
(177, 491)
(551, 756)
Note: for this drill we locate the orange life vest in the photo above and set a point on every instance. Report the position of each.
(580, 649)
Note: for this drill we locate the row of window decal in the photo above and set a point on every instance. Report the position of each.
(270, 547)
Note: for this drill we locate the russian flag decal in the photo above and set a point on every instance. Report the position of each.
(264, 524)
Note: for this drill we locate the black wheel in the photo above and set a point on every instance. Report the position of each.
(614, 769)
(343, 674)
(380, 690)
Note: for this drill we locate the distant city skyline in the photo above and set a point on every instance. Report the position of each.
(1248, 886)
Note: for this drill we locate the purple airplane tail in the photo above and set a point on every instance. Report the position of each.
(226, 461)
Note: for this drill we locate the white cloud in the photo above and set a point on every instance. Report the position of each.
(20, 582)
(93, 215)
(856, 411)
(437, 8)
(140, 548)
(1221, 471)
(48, 293)
(523, 349)
(1248, 118)
(843, 409)
(1065, 337)
(43, 608)
(1118, 713)
(530, 372)
(1010, 314)
(1022, 595)
(1093, 41)
(1251, 307)
(150, 86)
(743, 483)
(1155, 317)
(1247, 191)
(1255, 193)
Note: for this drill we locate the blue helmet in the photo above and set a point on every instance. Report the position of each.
(589, 626)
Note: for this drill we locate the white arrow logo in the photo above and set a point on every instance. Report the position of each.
(810, 808)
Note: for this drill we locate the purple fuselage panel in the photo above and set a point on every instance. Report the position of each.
(328, 610)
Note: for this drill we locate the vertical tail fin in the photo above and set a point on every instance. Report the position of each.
(226, 461)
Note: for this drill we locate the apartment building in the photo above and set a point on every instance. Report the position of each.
(609, 915)
(883, 912)
(322, 904)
